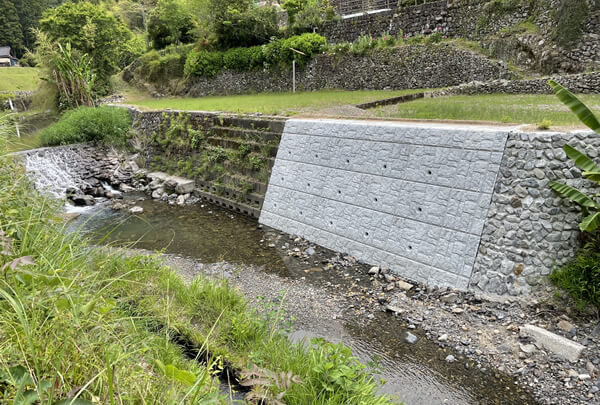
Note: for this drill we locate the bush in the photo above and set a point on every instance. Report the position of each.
(160, 66)
(204, 63)
(581, 278)
(243, 58)
(255, 26)
(276, 53)
(169, 23)
(85, 124)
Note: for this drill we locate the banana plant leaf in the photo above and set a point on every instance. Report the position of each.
(581, 160)
(593, 176)
(590, 223)
(584, 114)
(574, 195)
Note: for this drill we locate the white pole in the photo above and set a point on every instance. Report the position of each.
(10, 103)
(18, 131)
(294, 73)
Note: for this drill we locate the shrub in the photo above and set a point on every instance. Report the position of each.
(204, 63)
(581, 278)
(169, 23)
(275, 53)
(254, 26)
(243, 58)
(164, 65)
(309, 44)
(544, 125)
(101, 125)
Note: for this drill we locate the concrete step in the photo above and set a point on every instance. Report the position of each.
(233, 194)
(271, 124)
(269, 150)
(247, 134)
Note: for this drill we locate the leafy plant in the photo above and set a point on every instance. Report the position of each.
(581, 278)
(590, 208)
(544, 125)
(268, 386)
(86, 124)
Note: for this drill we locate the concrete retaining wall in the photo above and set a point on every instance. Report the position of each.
(418, 197)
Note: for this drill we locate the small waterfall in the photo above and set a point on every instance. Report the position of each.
(52, 170)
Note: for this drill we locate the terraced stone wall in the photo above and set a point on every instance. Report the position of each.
(229, 157)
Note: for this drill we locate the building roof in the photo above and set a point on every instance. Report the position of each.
(5, 51)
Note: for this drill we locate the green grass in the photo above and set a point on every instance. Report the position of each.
(96, 323)
(18, 79)
(520, 109)
(269, 103)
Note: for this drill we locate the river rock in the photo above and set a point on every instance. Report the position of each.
(374, 270)
(565, 325)
(443, 338)
(410, 338)
(125, 188)
(450, 359)
(449, 298)
(181, 199)
(82, 200)
(404, 285)
(136, 210)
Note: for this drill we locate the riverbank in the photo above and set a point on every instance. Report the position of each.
(109, 327)
(477, 332)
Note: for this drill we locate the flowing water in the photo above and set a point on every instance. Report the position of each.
(417, 373)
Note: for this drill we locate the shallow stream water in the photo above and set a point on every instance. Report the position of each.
(416, 373)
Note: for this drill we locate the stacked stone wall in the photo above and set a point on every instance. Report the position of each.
(499, 32)
(406, 67)
(529, 229)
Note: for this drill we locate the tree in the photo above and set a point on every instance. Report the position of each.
(11, 33)
(249, 27)
(169, 23)
(93, 31)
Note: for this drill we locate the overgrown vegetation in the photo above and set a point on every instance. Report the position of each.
(569, 18)
(276, 53)
(103, 124)
(580, 278)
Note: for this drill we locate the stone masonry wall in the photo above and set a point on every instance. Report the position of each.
(407, 67)
(587, 83)
(469, 19)
(529, 228)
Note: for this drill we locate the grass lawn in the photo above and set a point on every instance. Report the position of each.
(520, 109)
(19, 79)
(268, 103)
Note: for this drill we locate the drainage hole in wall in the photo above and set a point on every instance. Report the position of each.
(375, 199)
(385, 166)
(282, 179)
(366, 233)
(428, 171)
(409, 247)
(420, 209)
(330, 222)
(347, 160)
(316, 156)
(301, 213)
(339, 191)
(308, 184)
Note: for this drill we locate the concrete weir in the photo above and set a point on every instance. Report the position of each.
(447, 205)
(406, 196)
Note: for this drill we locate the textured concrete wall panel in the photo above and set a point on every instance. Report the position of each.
(413, 197)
